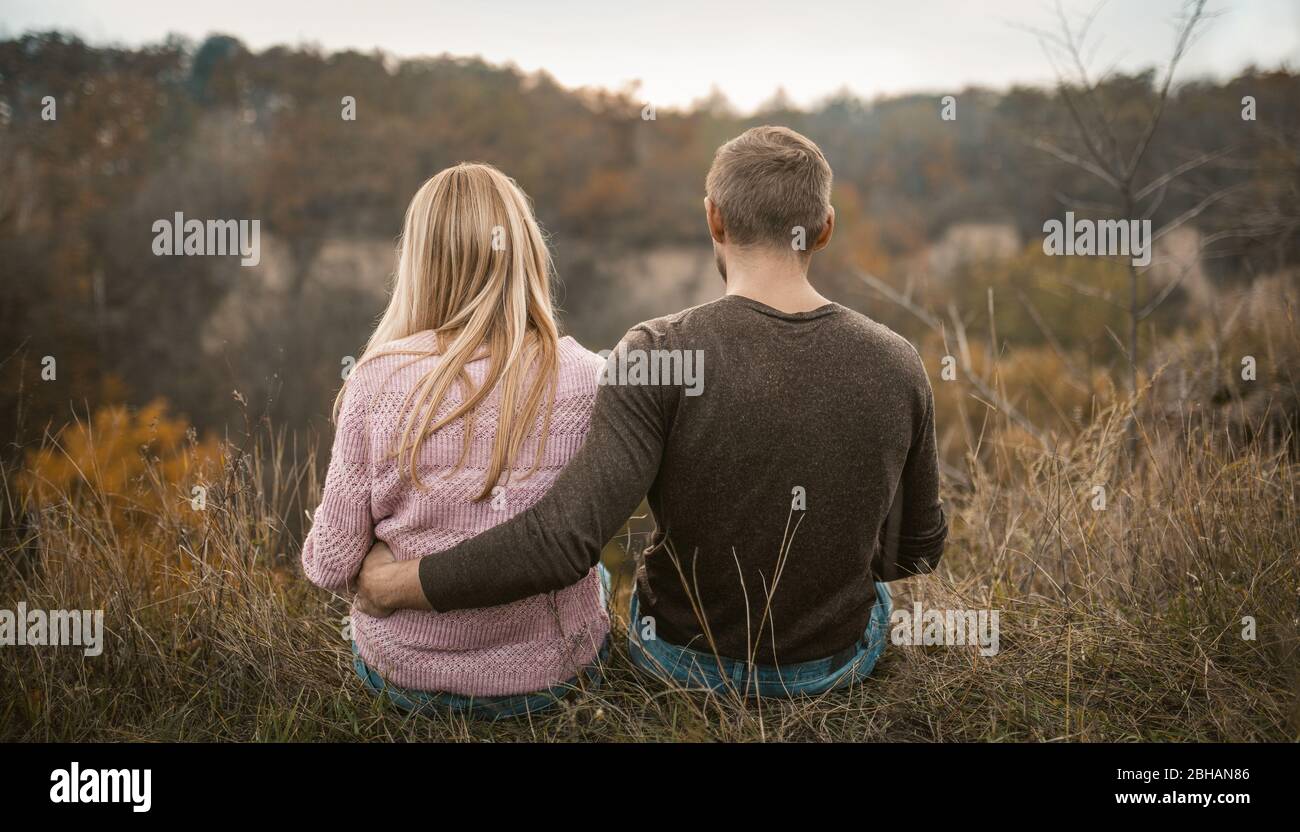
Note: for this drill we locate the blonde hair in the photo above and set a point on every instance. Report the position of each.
(766, 182)
(473, 267)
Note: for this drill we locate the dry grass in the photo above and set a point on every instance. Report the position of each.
(1122, 624)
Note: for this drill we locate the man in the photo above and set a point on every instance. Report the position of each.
(771, 477)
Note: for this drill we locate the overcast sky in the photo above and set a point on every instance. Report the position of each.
(679, 49)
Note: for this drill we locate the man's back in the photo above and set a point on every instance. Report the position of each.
(773, 482)
(776, 479)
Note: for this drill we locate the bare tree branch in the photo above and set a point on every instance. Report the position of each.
(1079, 162)
(1196, 210)
(1191, 20)
(1186, 167)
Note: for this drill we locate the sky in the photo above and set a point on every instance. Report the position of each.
(679, 51)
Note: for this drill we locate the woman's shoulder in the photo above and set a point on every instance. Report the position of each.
(392, 363)
(426, 340)
(578, 365)
(573, 351)
(399, 363)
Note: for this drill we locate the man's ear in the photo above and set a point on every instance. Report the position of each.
(829, 228)
(714, 216)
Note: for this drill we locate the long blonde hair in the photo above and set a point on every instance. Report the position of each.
(474, 268)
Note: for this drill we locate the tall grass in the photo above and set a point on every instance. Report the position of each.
(1123, 623)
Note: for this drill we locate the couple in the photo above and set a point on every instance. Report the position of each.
(481, 461)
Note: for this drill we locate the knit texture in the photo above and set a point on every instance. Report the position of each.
(524, 646)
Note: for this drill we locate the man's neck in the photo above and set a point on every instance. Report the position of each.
(776, 282)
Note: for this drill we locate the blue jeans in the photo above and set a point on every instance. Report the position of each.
(428, 703)
(696, 670)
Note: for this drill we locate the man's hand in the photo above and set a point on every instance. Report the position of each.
(386, 584)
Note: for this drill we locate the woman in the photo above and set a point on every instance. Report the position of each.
(461, 411)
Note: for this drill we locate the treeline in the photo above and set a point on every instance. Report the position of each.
(216, 130)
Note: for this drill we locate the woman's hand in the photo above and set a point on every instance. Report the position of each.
(386, 584)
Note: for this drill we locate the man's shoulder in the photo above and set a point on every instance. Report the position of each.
(867, 346)
(667, 328)
(869, 341)
(876, 336)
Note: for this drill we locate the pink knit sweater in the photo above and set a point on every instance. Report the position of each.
(524, 646)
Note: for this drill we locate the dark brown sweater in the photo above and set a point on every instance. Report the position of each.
(771, 488)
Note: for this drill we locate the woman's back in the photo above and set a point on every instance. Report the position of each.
(515, 648)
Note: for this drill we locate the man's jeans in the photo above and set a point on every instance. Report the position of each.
(697, 670)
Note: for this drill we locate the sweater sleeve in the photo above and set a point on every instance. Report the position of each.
(342, 529)
(912, 539)
(558, 540)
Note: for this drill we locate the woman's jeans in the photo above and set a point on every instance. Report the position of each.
(696, 670)
(428, 703)
(486, 707)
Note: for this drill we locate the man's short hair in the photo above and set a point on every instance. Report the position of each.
(767, 182)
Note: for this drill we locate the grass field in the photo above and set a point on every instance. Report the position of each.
(1117, 624)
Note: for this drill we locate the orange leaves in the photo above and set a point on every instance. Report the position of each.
(124, 458)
